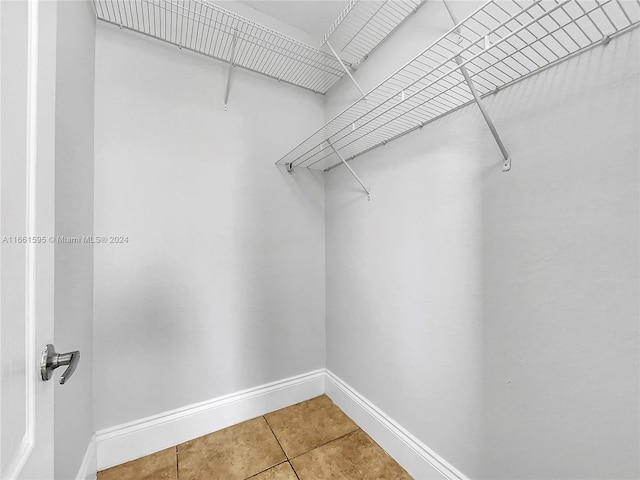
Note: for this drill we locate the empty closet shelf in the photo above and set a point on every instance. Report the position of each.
(364, 24)
(500, 43)
(210, 30)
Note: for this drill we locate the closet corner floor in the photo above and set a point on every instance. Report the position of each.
(311, 440)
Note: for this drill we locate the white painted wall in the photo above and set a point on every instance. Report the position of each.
(247, 10)
(221, 286)
(492, 315)
(560, 274)
(495, 315)
(74, 217)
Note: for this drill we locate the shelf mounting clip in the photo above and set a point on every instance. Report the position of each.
(506, 162)
(231, 65)
(355, 175)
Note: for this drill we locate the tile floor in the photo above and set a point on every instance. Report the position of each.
(312, 440)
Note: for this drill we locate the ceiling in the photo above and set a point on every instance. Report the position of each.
(313, 17)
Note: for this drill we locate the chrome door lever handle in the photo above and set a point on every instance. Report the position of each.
(50, 360)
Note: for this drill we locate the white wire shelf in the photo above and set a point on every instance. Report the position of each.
(364, 24)
(500, 43)
(210, 30)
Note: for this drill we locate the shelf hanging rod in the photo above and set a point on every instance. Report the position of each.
(345, 68)
(231, 61)
(506, 164)
(351, 170)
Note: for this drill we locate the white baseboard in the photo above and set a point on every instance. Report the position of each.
(142, 437)
(136, 439)
(88, 467)
(420, 461)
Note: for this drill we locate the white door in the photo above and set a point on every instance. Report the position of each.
(27, 101)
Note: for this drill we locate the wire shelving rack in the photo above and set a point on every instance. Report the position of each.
(364, 24)
(213, 31)
(500, 43)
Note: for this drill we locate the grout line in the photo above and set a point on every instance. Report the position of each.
(327, 443)
(177, 469)
(318, 446)
(266, 469)
(294, 470)
(276, 437)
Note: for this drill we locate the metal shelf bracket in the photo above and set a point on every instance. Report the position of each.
(231, 65)
(345, 68)
(352, 172)
(506, 164)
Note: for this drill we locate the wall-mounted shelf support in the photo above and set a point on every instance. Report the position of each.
(355, 175)
(231, 65)
(506, 162)
(345, 68)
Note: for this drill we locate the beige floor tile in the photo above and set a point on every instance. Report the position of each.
(279, 472)
(353, 457)
(157, 466)
(307, 425)
(234, 453)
